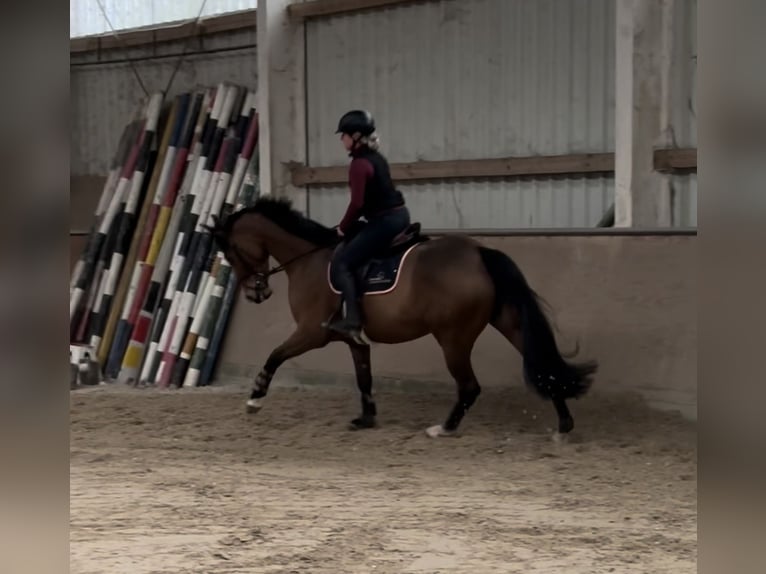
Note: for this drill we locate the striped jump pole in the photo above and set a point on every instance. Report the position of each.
(205, 125)
(210, 309)
(199, 256)
(129, 134)
(162, 235)
(195, 262)
(198, 288)
(202, 186)
(146, 321)
(84, 268)
(250, 137)
(156, 190)
(142, 241)
(115, 312)
(124, 229)
(245, 103)
(90, 280)
(98, 283)
(199, 181)
(161, 313)
(211, 313)
(219, 332)
(209, 360)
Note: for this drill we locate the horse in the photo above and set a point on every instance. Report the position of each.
(451, 287)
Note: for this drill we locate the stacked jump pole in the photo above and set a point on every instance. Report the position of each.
(150, 294)
(90, 274)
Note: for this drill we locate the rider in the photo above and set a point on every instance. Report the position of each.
(373, 196)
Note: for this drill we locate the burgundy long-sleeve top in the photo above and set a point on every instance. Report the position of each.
(359, 173)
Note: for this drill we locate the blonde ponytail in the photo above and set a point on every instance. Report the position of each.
(372, 141)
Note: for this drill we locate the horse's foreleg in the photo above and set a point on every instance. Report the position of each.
(298, 343)
(361, 356)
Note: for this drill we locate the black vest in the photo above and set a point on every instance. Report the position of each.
(379, 194)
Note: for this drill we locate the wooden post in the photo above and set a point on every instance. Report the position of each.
(642, 197)
(281, 99)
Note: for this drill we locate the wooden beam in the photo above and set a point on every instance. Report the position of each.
(175, 33)
(83, 44)
(675, 159)
(300, 11)
(572, 164)
(468, 168)
(241, 20)
(172, 31)
(130, 40)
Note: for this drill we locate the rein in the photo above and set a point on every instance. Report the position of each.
(279, 268)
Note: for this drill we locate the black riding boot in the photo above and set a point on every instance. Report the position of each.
(351, 324)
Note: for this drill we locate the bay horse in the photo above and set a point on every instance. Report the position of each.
(450, 287)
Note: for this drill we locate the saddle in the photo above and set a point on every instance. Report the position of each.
(403, 240)
(381, 273)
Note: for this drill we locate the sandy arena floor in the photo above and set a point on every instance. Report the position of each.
(185, 482)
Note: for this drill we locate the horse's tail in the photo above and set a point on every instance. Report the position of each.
(544, 367)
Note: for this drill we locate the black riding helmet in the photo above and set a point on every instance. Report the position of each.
(356, 121)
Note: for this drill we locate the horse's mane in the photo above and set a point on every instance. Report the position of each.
(280, 211)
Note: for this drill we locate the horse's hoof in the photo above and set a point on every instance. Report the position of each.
(254, 405)
(560, 438)
(362, 423)
(566, 425)
(438, 430)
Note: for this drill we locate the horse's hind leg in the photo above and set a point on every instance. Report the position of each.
(457, 353)
(509, 326)
(566, 422)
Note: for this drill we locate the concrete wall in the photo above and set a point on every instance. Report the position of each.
(630, 300)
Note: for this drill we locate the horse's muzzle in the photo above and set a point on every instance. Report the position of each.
(257, 291)
(258, 296)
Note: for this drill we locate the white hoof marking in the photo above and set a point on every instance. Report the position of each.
(437, 431)
(254, 405)
(560, 438)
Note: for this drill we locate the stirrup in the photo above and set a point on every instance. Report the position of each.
(341, 327)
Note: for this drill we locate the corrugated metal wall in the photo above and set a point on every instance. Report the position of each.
(471, 79)
(488, 204)
(105, 95)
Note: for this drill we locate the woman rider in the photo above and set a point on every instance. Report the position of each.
(373, 196)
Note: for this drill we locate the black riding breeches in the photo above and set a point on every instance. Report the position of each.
(374, 237)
